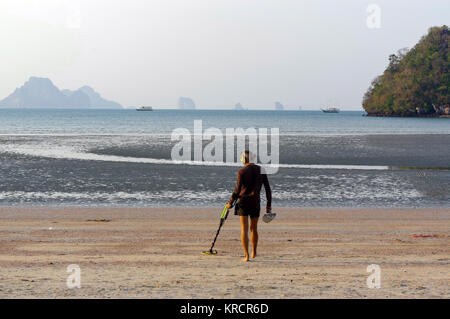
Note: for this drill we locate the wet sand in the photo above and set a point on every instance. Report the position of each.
(155, 253)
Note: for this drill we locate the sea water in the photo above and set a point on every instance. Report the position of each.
(123, 157)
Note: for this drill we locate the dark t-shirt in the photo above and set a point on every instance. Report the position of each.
(248, 187)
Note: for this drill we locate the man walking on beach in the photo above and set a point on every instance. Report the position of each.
(248, 190)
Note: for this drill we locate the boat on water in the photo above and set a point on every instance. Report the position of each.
(331, 110)
(144, 108)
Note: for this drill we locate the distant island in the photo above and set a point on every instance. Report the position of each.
(186, 103)
(42, 93)
(416, 82)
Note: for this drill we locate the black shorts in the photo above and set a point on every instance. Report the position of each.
(252, 212)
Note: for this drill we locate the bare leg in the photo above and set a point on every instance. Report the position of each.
(254, 235)
(244, 236)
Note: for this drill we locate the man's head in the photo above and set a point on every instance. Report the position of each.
(247, 157)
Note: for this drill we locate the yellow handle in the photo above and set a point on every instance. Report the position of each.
(224, 212)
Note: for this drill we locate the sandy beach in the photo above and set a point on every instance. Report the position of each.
(155, 253)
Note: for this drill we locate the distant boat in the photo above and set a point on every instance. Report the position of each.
(238, 106)
(144, 108)
(331, 110)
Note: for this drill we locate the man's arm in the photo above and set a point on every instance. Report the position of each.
(236, 192)
(265, 181)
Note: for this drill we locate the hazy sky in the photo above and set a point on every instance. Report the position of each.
(218, 52)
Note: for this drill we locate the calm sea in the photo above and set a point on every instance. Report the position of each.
(122, 157)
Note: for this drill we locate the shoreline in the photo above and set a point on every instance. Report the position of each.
(156, 253)
(412, 115)
(106, 207)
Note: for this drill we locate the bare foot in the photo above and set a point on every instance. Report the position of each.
(254, 255)
(245, 259)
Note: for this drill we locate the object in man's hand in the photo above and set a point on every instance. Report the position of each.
(267, 218)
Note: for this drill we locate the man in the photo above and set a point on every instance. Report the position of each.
(248, 189)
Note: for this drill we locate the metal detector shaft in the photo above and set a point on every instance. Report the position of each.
(217, 234)
(223, 217)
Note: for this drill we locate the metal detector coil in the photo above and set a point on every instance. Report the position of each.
(223, 217)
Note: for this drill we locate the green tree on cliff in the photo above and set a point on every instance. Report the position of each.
(416, 82)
